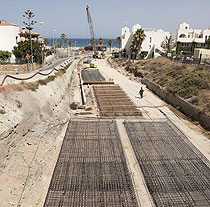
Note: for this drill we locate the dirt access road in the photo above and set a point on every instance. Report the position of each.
(153, 108)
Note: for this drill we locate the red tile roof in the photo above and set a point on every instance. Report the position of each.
(5, 23)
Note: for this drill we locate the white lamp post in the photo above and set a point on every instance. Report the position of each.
(54, 32)
(41, 23)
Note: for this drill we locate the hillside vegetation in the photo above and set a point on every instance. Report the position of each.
(184, 80)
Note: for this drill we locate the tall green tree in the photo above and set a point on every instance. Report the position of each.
(46, 41)
(29, 23)
(4, 56)
(23, 48)
(101, 41)
(178, 45)
(193, 46)
(63, 37)
(138, 38)
(118, 40)
(134, 49)
(168, 44)
(27, 35)
(68, 42)
(208, 43)
(110, 42)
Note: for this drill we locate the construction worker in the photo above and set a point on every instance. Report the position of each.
(141, 92)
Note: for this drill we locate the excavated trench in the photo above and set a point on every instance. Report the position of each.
(93, 169)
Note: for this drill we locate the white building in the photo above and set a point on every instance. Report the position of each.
(9, 36)
(185, 34)
(154, 38)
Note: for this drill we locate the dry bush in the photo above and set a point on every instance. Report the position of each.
(179, 78)
(14, 87)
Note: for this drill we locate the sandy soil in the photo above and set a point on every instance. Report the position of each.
(31, 137)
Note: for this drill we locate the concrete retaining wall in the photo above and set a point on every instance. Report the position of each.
(185, 107)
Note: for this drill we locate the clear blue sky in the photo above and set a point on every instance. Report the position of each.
(69, 16)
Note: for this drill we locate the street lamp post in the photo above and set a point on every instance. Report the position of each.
(75, 45)
(54, 31)
(41, 23)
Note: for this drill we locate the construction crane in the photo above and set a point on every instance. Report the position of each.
(90, 23)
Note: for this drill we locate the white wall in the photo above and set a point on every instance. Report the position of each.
(125, 36)
(153, 37)
(191, 34)
(205, 53)
(8, 36)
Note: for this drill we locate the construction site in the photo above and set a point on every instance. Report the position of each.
(86, 138)
(111, 149)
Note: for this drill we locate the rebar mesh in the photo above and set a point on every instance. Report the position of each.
(91, 170)
(113, 101)
(176, 173)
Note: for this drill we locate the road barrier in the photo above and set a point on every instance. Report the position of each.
(32, 76)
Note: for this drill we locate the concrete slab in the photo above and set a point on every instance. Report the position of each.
(141, 190)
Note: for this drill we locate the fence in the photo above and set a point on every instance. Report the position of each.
(35, 74)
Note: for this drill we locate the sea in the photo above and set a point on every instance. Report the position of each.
(77, 42)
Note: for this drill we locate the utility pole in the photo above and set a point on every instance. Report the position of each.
(29, 15)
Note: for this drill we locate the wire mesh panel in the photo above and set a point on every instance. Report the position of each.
(91, 170)
(176, 173)
(113, 101)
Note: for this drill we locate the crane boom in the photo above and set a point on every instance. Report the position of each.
(90, 23)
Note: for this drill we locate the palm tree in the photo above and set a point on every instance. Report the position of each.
(68, 42)
(46, 41)
(118, 40)
(63, 37)
(168, 44)
(133, 49)
(138, 38)
(110, 42)
(101, 41)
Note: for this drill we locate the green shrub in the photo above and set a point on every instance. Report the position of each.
(189, 84)
(2, 111)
